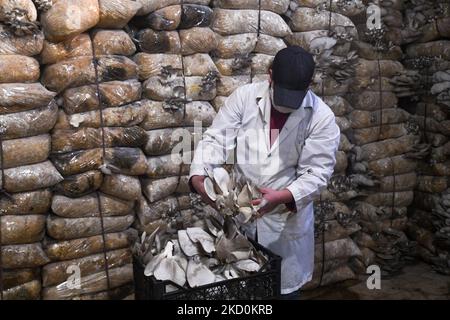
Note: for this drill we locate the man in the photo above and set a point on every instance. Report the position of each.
(295, 148)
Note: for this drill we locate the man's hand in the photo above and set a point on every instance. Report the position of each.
(272, 198)
(198, 185)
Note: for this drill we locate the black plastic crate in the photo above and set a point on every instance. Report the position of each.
(262, 285)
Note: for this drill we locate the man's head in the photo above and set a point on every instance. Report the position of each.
(291, 74)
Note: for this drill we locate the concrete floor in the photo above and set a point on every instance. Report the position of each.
(416, 282)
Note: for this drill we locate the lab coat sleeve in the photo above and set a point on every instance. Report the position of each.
(220, 138)
(316, 162)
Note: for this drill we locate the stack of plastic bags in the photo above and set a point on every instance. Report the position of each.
(102, 102)
(96, 146)
(27, 114)
(387, 146)
(328, 34)
(179, 80)
(429, 222)
(249, 34)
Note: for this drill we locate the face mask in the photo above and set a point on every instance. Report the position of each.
(279, 108)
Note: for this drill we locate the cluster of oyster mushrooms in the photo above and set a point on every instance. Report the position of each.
(231, 195)
(199, 256)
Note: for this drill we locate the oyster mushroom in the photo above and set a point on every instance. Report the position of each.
(153, 264)
(218, 182)
(147, 245)
(247, 265)
(230, 272)
(248, 213)
(198, 274)
(170, 269)
(143, 249)
(198, 235)
(187, 245)
(231, 196)
(179, 256)
(213, 226)
(209, 188)
(166, 266)
(232, 246)
(219, 278)
(210, 262)
(239, 255)
(245, 197)
(244, 202)
(222, 179)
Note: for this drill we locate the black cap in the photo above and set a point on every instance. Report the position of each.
(292, 72)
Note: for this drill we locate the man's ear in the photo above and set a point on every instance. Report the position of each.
(270, 75)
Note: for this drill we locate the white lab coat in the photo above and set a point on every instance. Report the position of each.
(301, 159)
